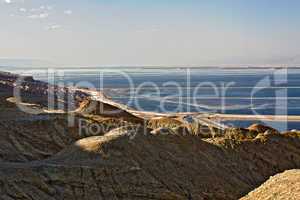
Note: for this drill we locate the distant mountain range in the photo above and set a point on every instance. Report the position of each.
(21, 63)
(38, 63)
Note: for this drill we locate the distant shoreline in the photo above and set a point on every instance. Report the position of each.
(152, 67)
(99, 96)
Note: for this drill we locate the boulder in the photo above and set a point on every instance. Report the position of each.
(262, 129)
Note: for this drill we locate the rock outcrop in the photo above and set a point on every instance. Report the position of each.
(280, 187)
(29, 90)
(103, 109)
(259, 128)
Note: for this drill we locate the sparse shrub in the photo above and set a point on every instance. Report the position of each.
(239, 134)
(165, 122)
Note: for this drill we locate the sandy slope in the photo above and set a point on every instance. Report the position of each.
(280, 187)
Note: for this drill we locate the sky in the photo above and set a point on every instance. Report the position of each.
(151, 32)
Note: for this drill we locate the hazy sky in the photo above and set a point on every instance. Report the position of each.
(151, 32)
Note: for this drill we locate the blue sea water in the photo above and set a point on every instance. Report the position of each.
(213, 90)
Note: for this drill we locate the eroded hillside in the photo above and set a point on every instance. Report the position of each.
(44, 157)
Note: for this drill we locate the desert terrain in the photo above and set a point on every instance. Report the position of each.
(99, 149)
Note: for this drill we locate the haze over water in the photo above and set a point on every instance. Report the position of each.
(234, 91)
(249, 91)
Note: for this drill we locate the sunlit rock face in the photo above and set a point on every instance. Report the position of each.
(282, 186)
